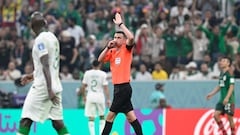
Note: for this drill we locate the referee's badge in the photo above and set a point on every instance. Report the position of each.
(117, 60)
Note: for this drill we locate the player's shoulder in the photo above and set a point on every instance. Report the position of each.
(102, 72)
(230, 71)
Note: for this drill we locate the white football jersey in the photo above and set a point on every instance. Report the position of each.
(95, 80)
(46, 43)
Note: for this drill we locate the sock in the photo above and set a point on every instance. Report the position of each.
(233, 131)
(63, 131)
(107, 128)
(102, 124)
(91, 127)
(221, 127)
(137, 127)
(23, 130)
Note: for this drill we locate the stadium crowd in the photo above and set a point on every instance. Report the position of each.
(175, 39)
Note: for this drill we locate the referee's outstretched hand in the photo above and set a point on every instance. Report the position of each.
(118, 19)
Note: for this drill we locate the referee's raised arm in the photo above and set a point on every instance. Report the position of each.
(118, 21)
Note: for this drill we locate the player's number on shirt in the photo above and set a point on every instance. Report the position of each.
(93, 85)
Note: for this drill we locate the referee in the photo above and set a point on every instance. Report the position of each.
(119, 53)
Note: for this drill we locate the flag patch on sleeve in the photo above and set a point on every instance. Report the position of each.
(41, 46)
(232, 80)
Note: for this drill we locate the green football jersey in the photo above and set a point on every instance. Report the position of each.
(225, 80)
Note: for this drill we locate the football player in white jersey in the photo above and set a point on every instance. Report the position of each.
(44, 99)
(95, 84)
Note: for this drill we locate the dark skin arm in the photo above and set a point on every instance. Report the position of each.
(47, 75)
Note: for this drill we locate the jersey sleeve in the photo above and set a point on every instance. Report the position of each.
(231, 77)
(108, 56)
(231, 80)
(42, 47)
(105, 81)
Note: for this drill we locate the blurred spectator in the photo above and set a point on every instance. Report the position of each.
(143, 74)
(171, 45)
(68, 52)
(216, 68)
(94, 48)
(102, 23)
(65, 74)
(200, 45)
(91, 24)
(143, 41)
(77, 74)
(24, 22)
(217, 44)
(232, 41)
(131, 19)
(5, 54)
(184, 44)
(163, 104)
(236, 65)
(204, 74)
(146, 60)
(20, 54)
(84, 56)
(73, 14)
(28, 69)
(162, 16)
(158, 47)
(159, 73)
(52, 9)
(236, 11)
(75, 30)
(53, 24)
(208, 60)
(157, 95)
(11, 73)
(191, 69)
(9, 13)
(1, 74)
(176, 74)
(179, 11)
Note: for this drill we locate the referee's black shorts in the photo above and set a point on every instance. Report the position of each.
(122, 98)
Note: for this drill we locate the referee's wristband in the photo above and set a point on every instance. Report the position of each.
(120, 24)
(108, 47)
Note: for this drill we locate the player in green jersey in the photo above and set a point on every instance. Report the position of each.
(227, 97)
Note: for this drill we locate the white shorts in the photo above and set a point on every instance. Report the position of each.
(93, 109)
(38, 107)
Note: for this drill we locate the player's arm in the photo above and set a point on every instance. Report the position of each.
(130, 37)
(47, 75)
(82, 91)
(106, 91)
(230, 89)
(212, 93)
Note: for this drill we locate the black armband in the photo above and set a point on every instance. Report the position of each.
(120, 24)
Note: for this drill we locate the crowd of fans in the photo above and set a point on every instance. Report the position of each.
(175, 39)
